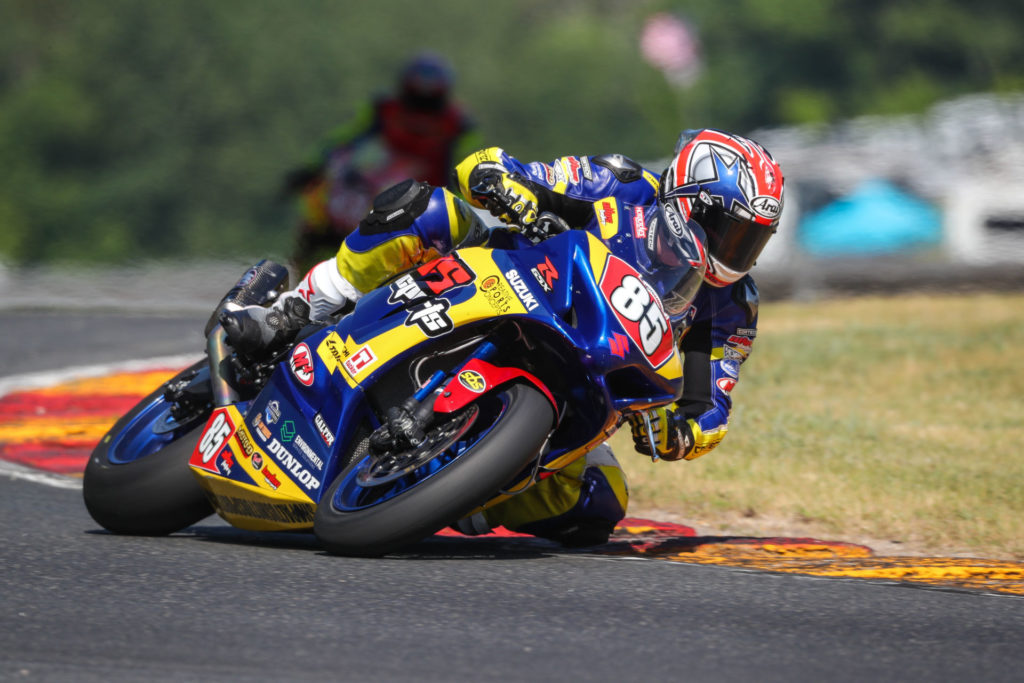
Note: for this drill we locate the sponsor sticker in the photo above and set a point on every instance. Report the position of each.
(270, 477)
(549, 174)
(308, 452)
(301, 364)
(588, 173)
(431, 316)
(226, 461)
(360, 360)
(248, 449)
(473, 380)
(521, 289)
(607, 216)
(545, 274)
(739, 343)
(292, 465)
(261, 427)
(639, 227)
(287, 431)
(496, 294)
(321, 427)
(572, 167)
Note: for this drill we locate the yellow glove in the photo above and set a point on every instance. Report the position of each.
(505, 195)
(673, 434)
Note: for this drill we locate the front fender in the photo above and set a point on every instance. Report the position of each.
(478, 377)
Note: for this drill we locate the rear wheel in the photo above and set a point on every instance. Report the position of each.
(137, 480)
(381, 502)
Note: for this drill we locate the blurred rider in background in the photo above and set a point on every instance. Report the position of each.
(694, 232)
(417, 132)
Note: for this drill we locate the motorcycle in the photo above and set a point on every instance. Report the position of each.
(452, 387)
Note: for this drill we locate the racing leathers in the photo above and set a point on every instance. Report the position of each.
(609, 195)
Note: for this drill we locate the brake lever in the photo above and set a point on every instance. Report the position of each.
(650, 436)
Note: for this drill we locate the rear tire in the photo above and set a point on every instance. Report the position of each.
(153, 495)
(475, 476)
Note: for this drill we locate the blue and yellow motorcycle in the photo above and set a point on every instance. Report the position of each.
(454, 386)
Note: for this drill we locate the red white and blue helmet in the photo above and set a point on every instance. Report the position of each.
(732, 187)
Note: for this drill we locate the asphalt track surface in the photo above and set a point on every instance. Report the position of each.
(215, 603)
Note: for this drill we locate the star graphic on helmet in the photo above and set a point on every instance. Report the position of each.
(725, 185)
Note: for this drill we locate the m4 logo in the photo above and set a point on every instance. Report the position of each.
(301, 364)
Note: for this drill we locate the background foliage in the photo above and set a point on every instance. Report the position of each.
(141, 130)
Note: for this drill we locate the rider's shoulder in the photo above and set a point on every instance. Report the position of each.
(624, 169)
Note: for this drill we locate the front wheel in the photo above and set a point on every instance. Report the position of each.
(380, 503)
(137, 480)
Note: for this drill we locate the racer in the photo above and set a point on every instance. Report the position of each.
(419, 124)
(706, 219)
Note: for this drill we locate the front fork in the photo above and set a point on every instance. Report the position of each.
(406, 425)
(218, 352)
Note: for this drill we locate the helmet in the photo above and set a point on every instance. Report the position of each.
(732, 187)
(425, 81)
(679, 260)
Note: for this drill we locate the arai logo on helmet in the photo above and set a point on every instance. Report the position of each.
(766, 206)
(674, 220)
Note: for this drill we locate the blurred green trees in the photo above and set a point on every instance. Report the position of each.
(142, 130)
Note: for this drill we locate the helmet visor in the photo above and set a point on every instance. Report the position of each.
(733, 241)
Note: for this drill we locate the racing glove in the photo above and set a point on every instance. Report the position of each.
(547, 225)
(673, 434)
(506, 195)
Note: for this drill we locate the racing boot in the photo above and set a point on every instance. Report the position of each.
(260, 332)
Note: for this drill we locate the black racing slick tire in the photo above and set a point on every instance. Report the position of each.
(152, 495)
(504, 448)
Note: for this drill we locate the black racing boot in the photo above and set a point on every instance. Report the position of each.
(260, 332)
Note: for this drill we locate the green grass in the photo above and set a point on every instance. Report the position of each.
(872, 418)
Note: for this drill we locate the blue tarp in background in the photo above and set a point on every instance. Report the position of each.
(876, 218)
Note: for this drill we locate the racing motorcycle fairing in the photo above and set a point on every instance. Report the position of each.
(247, 486)
(567, 316)
(478, 376)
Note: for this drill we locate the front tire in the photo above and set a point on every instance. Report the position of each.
(420, 506)
(137, 480)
